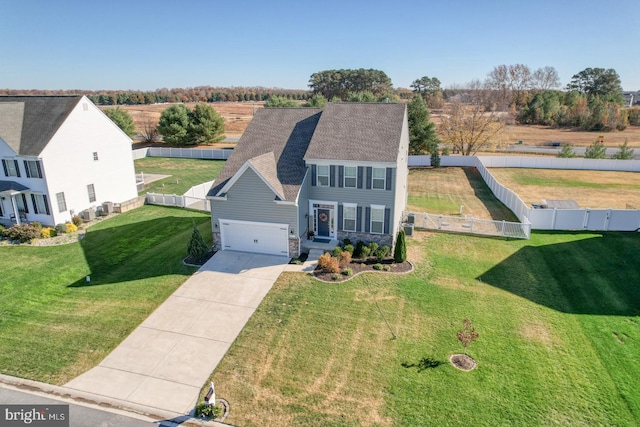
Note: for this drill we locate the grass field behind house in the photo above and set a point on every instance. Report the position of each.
(185, 173)
(54, 326)
(559, 325)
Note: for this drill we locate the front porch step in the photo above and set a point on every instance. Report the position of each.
(315, 254)
(310, 245)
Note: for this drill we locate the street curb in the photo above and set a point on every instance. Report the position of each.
(105, 403)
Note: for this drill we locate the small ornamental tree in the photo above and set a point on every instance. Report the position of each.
(625, 152)
(596, 150)
(400, 251)
(197, 247)
(467, 334)
(122, 119)
(566, 152)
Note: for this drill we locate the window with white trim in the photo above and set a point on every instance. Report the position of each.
(62, 203)
(350, 176)
(33, 168)
(92, 192)
(322, 176)
(95, 156)
(349, 216)
(11, 167)
(377, 219)
(379, 177)
(21, 203)
(40, 205)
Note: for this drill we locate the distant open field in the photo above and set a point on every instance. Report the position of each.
(237, 115)
(539, 135)
(591, 189)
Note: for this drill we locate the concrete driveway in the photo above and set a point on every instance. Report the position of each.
(168, 358)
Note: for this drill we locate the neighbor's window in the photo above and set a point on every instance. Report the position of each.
(21, 203)
(377, 219)
(349, 217)
(11, 168)
(62, 203)
(95, 155)
(33, 168)
(40, 205)
(92, 193)
(350, 176)
(323, 176)
(379, 176)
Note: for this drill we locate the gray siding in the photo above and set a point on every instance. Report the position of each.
(250, 199)
(363, 197)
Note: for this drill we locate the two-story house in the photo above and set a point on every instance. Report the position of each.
(60, 155)
(334, 173)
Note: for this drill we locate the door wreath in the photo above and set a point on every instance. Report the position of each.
(323, 217)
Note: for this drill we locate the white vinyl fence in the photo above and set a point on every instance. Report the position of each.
(455, 224)
(178, 201)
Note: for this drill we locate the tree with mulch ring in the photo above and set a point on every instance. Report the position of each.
(357, 266)
(466, 336)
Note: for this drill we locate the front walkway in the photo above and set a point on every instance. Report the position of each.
(168, 358)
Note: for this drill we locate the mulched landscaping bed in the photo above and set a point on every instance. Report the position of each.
(360, 266)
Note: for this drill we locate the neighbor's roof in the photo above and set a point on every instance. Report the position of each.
(286, 133)
(27, 123)
(367, 132)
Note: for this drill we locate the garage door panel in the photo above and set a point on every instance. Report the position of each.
(255, 237)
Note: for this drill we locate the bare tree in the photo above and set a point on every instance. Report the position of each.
(149, 129)
(470, 128)
(467, 334)
(545, 78)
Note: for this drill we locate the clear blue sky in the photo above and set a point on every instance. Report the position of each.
(146, 44)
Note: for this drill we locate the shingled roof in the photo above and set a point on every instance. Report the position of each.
(27, 123)
(285, 132)
(368, 132)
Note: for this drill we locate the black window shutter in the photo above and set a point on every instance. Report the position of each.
(26, 167)
(367, 219)
(24, 202)
(387, 215)
(340, 209)
(332, 176)
(35, 205)
(313, 175)
(388, 180)
(359, 218)
(369, 177)
(15, 162)
(360, 174)
(4, 166)
(340, 176)
(46, 204)
(39, 172)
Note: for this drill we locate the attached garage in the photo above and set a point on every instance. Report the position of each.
(258, 237)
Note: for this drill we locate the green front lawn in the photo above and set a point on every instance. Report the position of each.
(185, 173)
(54, 325)
(559, 325)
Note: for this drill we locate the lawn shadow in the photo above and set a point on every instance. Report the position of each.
(596, 275)
(138, 250)
(497, 210)
(423, 364)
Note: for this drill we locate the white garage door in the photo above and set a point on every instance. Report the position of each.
(259, 237)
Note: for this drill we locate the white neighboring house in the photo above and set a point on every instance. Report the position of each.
(60, 155)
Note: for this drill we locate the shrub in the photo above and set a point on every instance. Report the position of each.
(358, 250)
(382, 252)
(335, 276)
(365, 252)
(346, 241)
(211, 411)
(329, 263)
(77, 220)
(323, 261)
(70, 228)
(348, 248)
(400, 253)
(347, 272)
(337, 251)
(37, 225)
(2, 229)
(373, 247)
(386, 268)
(48, 232)
(61, 228)
(22, 233)
(197, 248)
(377, 266)
(345, 259)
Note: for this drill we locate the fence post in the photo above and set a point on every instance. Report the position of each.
(503, 224)
(439, 222)
(471, 226)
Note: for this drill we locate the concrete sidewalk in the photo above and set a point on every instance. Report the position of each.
(166, 360)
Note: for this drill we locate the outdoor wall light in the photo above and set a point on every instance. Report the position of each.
(292, 232)
(215, 224)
